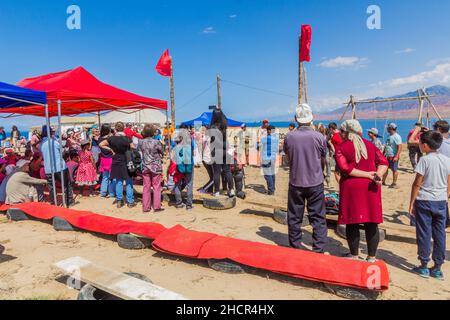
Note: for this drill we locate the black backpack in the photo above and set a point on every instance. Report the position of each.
(134, 161)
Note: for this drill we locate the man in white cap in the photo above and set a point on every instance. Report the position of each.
(21, 187)
(374, 137)
(306, 150)
(392, 151)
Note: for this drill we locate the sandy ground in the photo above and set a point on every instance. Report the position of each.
(31, 248)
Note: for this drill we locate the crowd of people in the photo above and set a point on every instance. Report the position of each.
(110, 159)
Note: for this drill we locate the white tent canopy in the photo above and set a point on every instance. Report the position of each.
(135, 116)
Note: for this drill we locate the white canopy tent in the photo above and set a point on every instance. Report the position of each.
(151, 116)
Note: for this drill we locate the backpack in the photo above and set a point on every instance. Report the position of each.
(134, 161)
(185, 158)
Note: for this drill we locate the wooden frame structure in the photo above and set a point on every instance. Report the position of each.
(422, 96)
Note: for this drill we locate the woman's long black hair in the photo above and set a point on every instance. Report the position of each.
(219, 120)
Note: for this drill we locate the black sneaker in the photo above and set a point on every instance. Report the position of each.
(189, 208)
(180, 206)
(120, 204)
(131, 205)
(158, 210)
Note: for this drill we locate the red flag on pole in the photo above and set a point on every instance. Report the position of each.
(305, 43)
(164, 66)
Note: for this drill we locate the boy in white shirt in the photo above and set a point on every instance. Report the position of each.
(428, 204)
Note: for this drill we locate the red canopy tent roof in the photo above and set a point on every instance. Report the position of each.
(80, 92)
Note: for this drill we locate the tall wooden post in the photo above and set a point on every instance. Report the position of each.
(300, 83)
(219, 94)
(419, 96)
(305, 83)
(352, 101)
(172, 97)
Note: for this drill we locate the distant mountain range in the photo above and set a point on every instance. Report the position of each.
(398, 109)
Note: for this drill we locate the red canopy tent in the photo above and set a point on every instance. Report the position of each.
(80, 92)
(75, 92)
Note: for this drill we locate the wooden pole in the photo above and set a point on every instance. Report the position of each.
(99, 120)
(419, 96)
(431, 103)
(300, 83)
(219, 94)
(172, 96)
(345, 112)
(305, 83)
(352, 102)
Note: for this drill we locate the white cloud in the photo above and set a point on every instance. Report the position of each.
(233, 16)
(440, 74)
(209, 30)
(405, 51)
(435, 62)
(342, 62)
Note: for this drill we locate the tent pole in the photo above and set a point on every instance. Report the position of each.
(50, 149)
(61, 159)
(99, 120)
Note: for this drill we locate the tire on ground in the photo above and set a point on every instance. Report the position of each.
(341, 232)
(220, 203)
(280, 216)
(60, 224)
(226, 266)
(16, 215)
(89, 292)
(132, 242)
(352, 293)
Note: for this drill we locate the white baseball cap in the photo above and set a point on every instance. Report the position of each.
(304, 114)
(374, 131)
(10, 169)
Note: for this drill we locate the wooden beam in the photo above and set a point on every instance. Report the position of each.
(431, 103)
(115, 283)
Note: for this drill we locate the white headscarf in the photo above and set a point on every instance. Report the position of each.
(354, 129)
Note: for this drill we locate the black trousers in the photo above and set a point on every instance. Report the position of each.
(209, 186)
(313, 199)
(372, 238)
(414, 155)
(67, 186)
(218, 169)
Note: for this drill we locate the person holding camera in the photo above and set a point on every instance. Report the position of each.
(413, 145)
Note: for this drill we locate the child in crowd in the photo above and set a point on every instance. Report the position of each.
(86, 173)
(428, 204)
(11, 157)
(72, 161)
(37, 171)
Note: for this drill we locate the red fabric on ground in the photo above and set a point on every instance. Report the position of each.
(202, 245)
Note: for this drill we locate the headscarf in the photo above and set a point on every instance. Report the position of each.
(354, 129)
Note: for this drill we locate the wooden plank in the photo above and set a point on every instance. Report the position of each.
(115, 283)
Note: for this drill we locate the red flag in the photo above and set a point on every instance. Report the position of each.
(164, 66)
(305, 43)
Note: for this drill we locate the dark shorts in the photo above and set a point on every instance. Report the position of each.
(393, 165)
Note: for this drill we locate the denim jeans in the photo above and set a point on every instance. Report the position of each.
(270, 179)
(67, 186)
(188, 183)
(117, 184)
(430, 224)
(106, 186)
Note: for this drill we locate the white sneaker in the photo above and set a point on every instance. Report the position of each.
(232, 193)
(217, 194)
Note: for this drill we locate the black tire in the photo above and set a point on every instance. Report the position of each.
(60, 224)
(352, 293)
(89, 292)
(280, 216)
(220, 203)
(226, 266)
(16, 215)
(340, 230)
(131, 242)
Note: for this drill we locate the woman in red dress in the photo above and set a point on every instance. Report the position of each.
(362, 165)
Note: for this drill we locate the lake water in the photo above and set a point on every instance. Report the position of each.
(404, 126)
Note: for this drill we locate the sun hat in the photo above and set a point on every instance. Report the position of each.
(9, 150)
(243, 125)
(84, 142)
(392, 126)
(304, 114)
(21, 163)
(374, 131)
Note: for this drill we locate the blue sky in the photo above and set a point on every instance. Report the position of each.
(253, 42)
